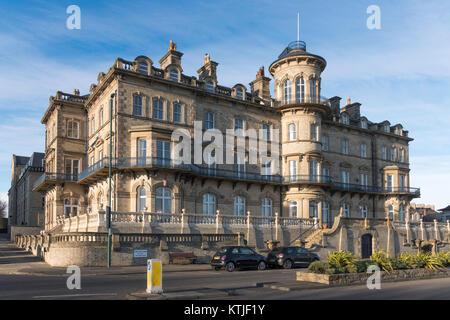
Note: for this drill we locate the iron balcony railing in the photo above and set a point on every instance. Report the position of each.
(54, 176)
(307, 178)
(210, 171)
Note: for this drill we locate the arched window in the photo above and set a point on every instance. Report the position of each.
(312, 87)
(173, 75)
(292, 132)
(300, 90)
(143, 67)
(239, 94)
(141, 199)
(266, 207)
(209, 204)
(163, 200)
(137, 105)
(287, 91)
(293, 209)
(239, 206)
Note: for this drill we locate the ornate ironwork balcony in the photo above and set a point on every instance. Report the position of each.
(50, 178)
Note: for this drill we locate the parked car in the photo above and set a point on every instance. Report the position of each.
(232, 257)
(288, 257)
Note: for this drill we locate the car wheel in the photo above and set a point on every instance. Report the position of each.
(230, 267)
(261, 265)
(287, 264)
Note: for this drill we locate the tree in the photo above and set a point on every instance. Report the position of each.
(3, 207)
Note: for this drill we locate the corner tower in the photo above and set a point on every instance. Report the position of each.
(297, 96)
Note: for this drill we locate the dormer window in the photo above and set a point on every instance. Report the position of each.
(143, 67)
(345, 119)
(210, 86)
(363, 124)
(387, 129)
(239, 94)
(173, 75)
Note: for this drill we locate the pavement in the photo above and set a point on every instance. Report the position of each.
(23, 276)
(18, 261)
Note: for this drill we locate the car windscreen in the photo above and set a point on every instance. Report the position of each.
(222, 251)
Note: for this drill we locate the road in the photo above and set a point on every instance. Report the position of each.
(97, 283)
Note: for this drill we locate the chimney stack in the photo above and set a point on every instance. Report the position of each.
(260, 86)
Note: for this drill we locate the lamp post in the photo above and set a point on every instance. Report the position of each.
(108, 208)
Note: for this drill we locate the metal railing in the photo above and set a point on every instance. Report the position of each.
(54, 176)
(205, 171)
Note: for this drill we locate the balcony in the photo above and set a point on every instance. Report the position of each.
(375, 189)
(50, 178)
(101, 168)
(306, 178)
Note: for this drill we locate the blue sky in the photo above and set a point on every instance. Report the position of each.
(400, 73)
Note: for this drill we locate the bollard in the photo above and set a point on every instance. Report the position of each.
(154, 276)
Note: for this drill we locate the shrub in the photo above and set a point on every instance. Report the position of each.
(318, 267)
(340, 258)
(382, 260)
(333, 269)
(357, 266)
(431, 262)
(445, 256)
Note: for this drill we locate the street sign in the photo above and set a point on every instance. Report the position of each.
(154, 276)
(140, 253)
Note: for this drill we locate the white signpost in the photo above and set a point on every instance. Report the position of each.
(154, 276)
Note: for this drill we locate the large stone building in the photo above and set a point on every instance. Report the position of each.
(25, 207)
(336, 167)
(328, 155)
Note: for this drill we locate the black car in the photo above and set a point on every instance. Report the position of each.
(288, 257)
(232, 257)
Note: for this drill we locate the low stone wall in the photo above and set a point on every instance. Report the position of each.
(347, 279)
(90, 248)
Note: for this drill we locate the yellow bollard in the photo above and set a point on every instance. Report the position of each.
(154, 276)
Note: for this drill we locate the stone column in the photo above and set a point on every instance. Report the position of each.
(436, 230)
(422, 231)
(277, 225)
(183, 211)
(217, 220)
(319, 213)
